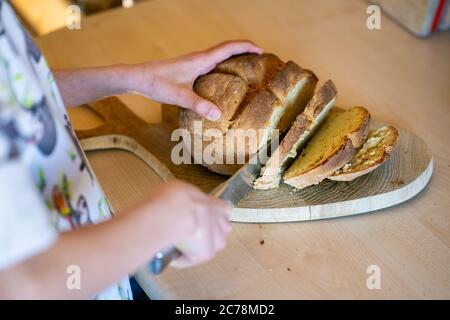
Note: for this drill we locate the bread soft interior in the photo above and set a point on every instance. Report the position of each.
(328, 140)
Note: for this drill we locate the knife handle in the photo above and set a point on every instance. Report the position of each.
(162, 259)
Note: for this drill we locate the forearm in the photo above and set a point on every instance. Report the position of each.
(104, 253)
(79, 86)
(168, 81)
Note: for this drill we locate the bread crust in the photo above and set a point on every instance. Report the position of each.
(354, 175)
(256, 114)
(286, 79)
(254, 69)
(342, 156)
(224, 90)
(359, 136)
(284, 83)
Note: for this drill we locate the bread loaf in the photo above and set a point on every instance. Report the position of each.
(253, 91)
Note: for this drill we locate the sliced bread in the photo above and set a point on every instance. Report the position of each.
(375, 150)
(301, 130)
(331, 147)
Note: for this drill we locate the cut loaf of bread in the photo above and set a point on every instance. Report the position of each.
(301, 130)
(375, 150)
(258, 92)
(331, 147)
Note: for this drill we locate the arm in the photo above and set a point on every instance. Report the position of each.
(83, 85)
(167, 81)
(108, 251)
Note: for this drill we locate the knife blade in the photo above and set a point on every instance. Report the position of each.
(233, 190)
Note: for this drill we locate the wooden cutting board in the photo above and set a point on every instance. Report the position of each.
(403, 176)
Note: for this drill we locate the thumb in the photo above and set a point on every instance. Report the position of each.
(190, 100)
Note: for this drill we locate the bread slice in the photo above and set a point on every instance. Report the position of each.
(301, 130)
(330, 148)
(375, 150)
(294, 87)
(253, 92)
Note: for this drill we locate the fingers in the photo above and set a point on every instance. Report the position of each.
(171, 81)
(227, 49)
(211, 233)
(225, 226)
(212, 241)
(210, 223)
(181, 262)
(214, 55)
(222, 205)
(188, 99)
(223, 229)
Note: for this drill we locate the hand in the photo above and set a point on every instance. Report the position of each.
(203, 222)
(171, 81)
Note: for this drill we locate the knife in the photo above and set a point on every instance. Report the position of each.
(232, 190)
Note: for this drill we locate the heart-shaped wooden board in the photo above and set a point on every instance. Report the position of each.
(405, 174)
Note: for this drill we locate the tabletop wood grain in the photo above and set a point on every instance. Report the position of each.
(401, 79)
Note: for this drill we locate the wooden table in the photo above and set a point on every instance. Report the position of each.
(401, 79)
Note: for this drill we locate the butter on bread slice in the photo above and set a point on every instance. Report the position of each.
(374, 151)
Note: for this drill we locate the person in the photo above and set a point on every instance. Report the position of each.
(54, 217)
